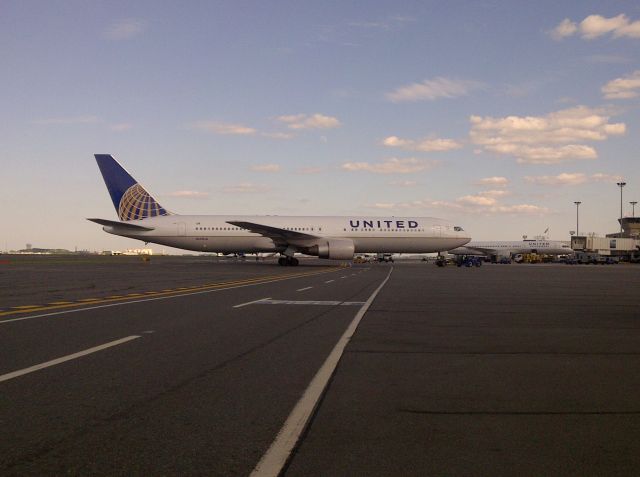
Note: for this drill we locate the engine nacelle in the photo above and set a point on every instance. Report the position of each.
(335, 249)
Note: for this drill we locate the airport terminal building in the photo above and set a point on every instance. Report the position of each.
(625, 244)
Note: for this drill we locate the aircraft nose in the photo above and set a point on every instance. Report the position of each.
(462, 235)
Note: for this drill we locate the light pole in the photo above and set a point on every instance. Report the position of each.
(621, 184)
(577, 217)
(633, 207)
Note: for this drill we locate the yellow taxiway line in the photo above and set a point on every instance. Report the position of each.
(165, 292)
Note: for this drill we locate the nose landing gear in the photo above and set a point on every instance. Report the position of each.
(288, 261)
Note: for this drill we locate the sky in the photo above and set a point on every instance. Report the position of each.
(496, 115)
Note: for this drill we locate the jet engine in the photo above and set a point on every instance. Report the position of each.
(336, 249)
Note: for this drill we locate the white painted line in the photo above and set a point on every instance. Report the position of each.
(329, 281)
(142, 300)
(274, 460)
(37, 367)
(252, 302)
(344, 277)
(305, 288)
(268, 301)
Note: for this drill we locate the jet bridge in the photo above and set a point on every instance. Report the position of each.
(627, 247)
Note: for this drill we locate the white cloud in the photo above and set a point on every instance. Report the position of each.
(266, 168)
(571, 179)
(391, 166)
(245, 188)
(374, 25)
(423, 145)
(549, 155)
(559, 180)
(622, 88)
(121, 127)
(430, 90)
(189, 194)
(564, 29)
(475, 205)
(125, 29)
(494, 193)
(68, 120)
(223, 128)
(595, 26)
(314, 121)
(477, 200)
(415, 204)
(467, 205)
(294, 122)
(494, 181)
(550, 139)
(519, 209)
(80, 120)
(278, 135)
(403, 183)
(395, 141)
(599, 177)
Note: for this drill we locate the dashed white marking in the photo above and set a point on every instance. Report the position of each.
(308, 302)
(251, 302)
(305, 288)
(274, 459)
(22, 372)
(124, 303)
(344, 277)
(329, 281)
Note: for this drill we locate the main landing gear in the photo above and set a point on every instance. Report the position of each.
(288, 261)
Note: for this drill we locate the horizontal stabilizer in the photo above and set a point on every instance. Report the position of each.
(122, 225)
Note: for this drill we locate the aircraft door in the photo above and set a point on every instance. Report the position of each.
(182, 229)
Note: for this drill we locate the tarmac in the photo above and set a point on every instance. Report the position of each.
(195, 365)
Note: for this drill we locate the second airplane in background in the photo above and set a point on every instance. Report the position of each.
(143, 218)
(499, 249)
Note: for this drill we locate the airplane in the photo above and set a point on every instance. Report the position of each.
(539, 245)
(143, 218)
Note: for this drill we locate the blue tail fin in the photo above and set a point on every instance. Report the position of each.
(129, 198)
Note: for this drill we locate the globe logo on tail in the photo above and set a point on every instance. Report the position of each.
(136, 203)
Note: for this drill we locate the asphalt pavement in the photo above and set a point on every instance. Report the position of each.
(189, 366)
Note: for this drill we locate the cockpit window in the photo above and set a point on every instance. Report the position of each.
(458, 229)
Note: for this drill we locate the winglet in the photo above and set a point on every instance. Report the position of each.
(130, 199)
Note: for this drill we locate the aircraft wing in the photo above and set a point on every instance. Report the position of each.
(482, 250)
(473, 250)
(122, 225)
(275, 233)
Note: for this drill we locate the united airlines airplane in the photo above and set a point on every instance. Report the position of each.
(143, 218)
(507, 249)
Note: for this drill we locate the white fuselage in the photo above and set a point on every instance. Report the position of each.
(213, 233)
(508, 248)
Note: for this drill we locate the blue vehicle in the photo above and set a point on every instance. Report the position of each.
(469, 261)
